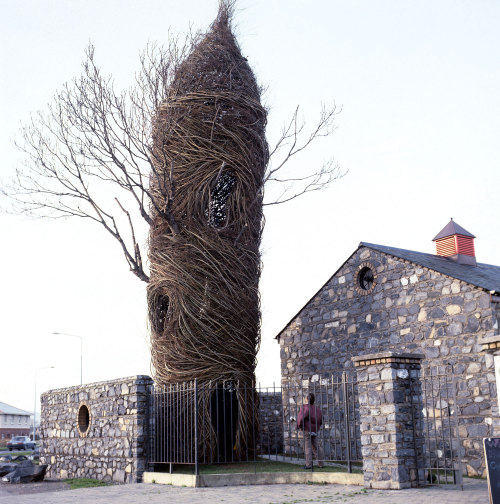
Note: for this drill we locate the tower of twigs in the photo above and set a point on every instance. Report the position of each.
(211, 154)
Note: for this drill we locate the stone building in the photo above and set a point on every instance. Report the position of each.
(445, 307)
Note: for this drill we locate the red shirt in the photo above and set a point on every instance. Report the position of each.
(310, 418)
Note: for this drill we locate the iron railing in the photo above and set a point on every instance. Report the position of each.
(192, 423)
(440, 449)
(337, 397)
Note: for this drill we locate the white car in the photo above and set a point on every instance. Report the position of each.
(21, 443)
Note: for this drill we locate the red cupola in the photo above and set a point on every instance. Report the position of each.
(454, 242)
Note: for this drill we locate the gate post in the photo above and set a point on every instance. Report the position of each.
(389, 409)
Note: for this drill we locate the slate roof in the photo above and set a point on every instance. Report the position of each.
(485, 276)
(450, 229)
(7, 409)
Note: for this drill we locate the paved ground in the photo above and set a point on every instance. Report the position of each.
(475, 492)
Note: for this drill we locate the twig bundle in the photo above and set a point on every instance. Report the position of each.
(210, 157)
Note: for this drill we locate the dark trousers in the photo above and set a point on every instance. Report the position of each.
(312, 447)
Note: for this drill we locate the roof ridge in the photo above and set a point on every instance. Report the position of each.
(485, 276)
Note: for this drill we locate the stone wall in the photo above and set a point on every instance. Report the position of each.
(410, 309)
(113, 447)
(271, 422)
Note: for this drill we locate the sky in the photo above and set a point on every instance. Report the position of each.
(416, 84)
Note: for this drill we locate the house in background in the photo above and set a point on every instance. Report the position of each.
(13, 422)
(444, 307)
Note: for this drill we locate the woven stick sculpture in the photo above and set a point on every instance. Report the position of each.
(210, 157)
(198, 185)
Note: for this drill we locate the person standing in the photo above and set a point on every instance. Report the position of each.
(309, 421)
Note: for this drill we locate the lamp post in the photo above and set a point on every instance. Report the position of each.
(34, 409)
(81, 354)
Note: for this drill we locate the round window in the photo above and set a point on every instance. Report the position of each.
(366, 279)
(83, 420)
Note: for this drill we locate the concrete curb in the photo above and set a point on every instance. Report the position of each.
(235, 479)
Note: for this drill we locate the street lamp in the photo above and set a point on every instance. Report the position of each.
(81, 354)
(34, 409)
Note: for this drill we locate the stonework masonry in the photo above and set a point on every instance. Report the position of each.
(113, 446)
(410, 309)
(271, 422)
(387, 386)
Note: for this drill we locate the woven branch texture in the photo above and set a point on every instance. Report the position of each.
(210, 155)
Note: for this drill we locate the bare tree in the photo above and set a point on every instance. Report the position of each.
(91, 155)
(183, 152)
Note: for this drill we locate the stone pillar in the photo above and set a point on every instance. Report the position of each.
(390, 418)
(490, 346)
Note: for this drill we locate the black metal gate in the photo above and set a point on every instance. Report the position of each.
(438, 445)
(172, 424)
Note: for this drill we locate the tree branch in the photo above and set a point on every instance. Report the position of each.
(293, 141)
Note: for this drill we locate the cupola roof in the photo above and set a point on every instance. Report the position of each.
(452, 228)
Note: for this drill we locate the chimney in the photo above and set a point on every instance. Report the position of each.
(454, 242)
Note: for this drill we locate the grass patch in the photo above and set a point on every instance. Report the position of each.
(476, 477)
(75, 483)
(261, 466)
(441, 477)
